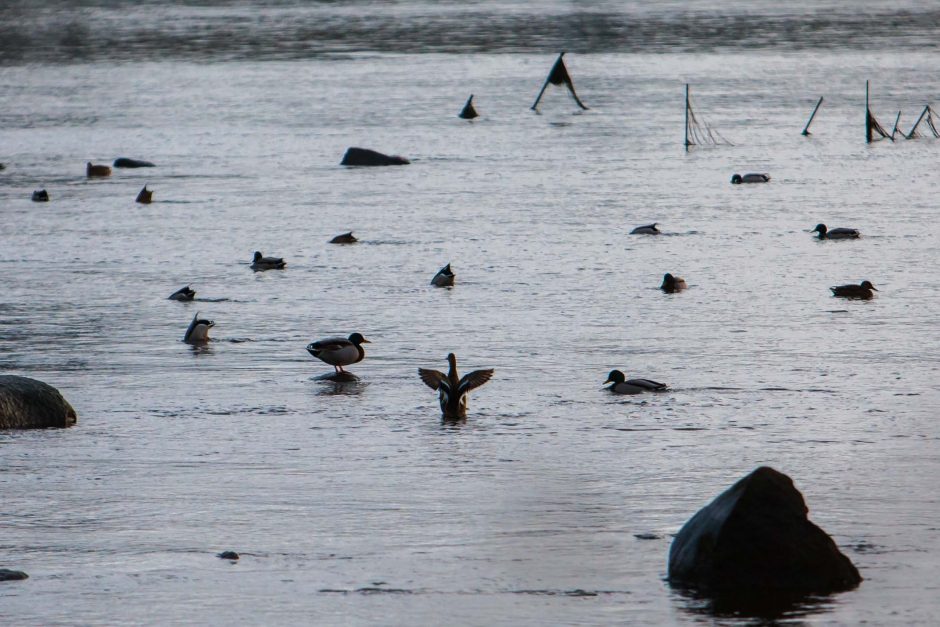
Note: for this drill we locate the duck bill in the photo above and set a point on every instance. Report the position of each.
(874, 288)
(365, 341)
(608, 381)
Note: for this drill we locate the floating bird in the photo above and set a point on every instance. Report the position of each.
(825, 233)
(632, 386)
(862, 290)
(198, 331)
(183, 294)
(145, 197)
(339, 351)
(40, 195)
(646, 229)
(266, 263)
(468, 112)
(750, 178)
(97, 170)
(124, 162)
(444, 277)
(672, 284)
(345, 238)
(452, 388)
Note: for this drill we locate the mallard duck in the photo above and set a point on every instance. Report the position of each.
(452, 388)
(468, 112)
(97, 170)
(40, 195)
(345, 238)
(444, 277)
(737, 179)
(198, 331)
(863, 290)
(646, 229)
(825, 233)
(339, 351)
(183, 294)
(145, 197)
(632, 386)
(266, 263)
(672, 284)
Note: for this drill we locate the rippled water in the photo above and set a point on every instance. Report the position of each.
(353, 504)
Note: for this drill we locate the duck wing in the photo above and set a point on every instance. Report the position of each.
(646, 384)
(474, 380)
(432, 378)
(329, 344)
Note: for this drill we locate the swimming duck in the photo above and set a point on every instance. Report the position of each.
(737, 179)
(444, 277)
(632, 386)
(345, 238)
(339, 351)
(862, 290)
(40, 195)
(183, 294)
(825, 233)
(97, 170)
(646, 229)
(145, 196)
(266, 263)
(452, 388)
(672, 284)
(198, 331)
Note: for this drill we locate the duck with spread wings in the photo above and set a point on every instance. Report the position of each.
(452, 388)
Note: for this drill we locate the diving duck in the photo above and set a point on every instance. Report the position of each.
(183, 294)
(198, 331)
(339, 351)
(621, 385)
(737, 179)
(97, 170)
(145, 197)
(345, 238)
(40, 195)
(452, 388)
(468, 112)
(862, 290)
(444, 277)
(266, 263)
(672, 284)
(825, 233)
(646, 229)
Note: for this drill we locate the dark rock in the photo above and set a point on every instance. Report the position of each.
(338, 377)
(228, 555)
(756, 537)
(124, 162)
(40, 195)
(12, 575)
(364, 156)
(30, 404)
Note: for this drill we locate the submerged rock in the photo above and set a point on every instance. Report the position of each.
(364, 156)
(12, 575)
(755, 537)
(30, 404)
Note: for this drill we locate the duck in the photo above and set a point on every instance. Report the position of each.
(672, 284)
(863, 290)
(621, 385)
(260, 262)
(468, 112)
(339, 351)
(198, 331)
(97, 170)
(345, 238)
(841, 233)
(452, 388)
(444, 277)
(737, 179)
(646, 229)
(145, 197)
(40, 195)
(183, 294)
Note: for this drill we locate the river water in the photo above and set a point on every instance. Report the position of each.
(353, 504)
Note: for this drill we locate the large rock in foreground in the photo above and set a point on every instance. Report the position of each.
(30, 404)
(754, 538)
(364, 156)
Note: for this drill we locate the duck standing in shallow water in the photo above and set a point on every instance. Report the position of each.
(260, 262)
(145, 197)
(863, 290)
(339, 351)
(183, 294)
(452, 388)
(96, 170)
(444, 277)
(825, 233)
(737, 179)
(620, 384)
(345, 238)
(672, 284)
(198, 331)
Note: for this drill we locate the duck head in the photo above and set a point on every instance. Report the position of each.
(821, 229)
(357, 339)
(257, 256)
(736, 179)
(615, 377)
(868, 285)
